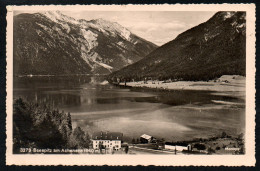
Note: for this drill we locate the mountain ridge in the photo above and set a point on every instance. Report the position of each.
(54, 43)
(209, 50)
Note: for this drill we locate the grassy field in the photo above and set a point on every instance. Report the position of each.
(226, 83)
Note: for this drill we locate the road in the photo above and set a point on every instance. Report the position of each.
(139, 150)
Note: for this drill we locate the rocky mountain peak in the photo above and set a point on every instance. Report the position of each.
(111, 27)
(57, 16)
(100, 24)
(58, 44)
(237, 20)
(226, 14)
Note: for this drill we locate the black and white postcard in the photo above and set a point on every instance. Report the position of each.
(165, 85)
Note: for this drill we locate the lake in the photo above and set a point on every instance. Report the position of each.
(96, 105)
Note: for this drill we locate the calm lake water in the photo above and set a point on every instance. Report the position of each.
(97, 106)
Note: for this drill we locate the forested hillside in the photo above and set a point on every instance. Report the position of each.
(207, 51)
(38, 126)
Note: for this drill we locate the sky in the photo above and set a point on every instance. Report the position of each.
(158, 27)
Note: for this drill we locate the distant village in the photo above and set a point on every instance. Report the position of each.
(112, 143)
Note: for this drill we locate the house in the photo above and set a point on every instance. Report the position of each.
(177, 146)
(107, 140)
(146, 138)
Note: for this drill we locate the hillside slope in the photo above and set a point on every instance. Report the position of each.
(209, 50)
(53, 43)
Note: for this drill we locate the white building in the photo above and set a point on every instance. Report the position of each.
(107, 140)
(146, 138)
(177, 146)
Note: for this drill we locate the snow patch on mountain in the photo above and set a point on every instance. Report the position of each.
(121, 44)
(85, 58)
(104, 65)
(157, 61)
(135, 42)
(126, 34)
(129, 61)
(93, 60)
(85, 36)
(51, 15)
(209, 36)
(90, 37)
(106, 27)
(95, 57)
(240, 27)
(57, 16)
(228, 15)
(42, 26)
(66, 27)
(111, 27)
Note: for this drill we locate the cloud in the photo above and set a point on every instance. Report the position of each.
(115, 18)
(157, 32)
(143, 26)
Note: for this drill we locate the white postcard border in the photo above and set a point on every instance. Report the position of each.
(158, 160)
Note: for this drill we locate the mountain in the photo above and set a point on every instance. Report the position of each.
(207, 51)
(56, 44)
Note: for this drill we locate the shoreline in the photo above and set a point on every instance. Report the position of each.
(58, 75)
(233, 85)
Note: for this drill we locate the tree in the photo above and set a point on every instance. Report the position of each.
(210, 150)
(22, 124)
(69, 121)
(224, 135)
(79, 139)
(101, 147)
(126, 149)
(137, 140)
(47, 135)
(39, 126)
(133, 141)
(113, 150)
(200, 146)
(35, 126)
(240, 136)
(242, 150)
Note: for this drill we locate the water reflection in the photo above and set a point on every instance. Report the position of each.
(96, 106)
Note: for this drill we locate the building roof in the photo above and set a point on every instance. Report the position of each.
(107, 136)
(177, 144)
(145, 136)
